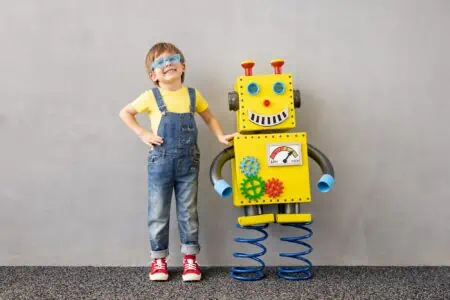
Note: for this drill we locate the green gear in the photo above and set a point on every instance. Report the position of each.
(252, 187)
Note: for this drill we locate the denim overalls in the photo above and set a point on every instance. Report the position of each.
(174, 165)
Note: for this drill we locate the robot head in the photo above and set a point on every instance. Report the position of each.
(264, 102)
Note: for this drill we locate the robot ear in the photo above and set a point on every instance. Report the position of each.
(233, 101)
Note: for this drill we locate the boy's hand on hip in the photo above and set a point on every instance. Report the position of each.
(150, 139)
(226, 138)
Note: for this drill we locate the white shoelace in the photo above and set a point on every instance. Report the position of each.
(190, 265)
(160, 264)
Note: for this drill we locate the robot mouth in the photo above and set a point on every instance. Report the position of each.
(268, 120)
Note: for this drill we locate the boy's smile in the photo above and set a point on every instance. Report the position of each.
(170, 70)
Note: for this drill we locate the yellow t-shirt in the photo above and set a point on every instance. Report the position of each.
(175, 101)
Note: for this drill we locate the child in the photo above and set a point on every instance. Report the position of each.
(173, 160)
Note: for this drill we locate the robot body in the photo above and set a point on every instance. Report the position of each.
(270, 169)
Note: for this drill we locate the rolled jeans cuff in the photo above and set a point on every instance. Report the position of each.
(160, 253)
(190, 249)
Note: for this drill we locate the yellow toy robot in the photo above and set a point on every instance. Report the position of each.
(269, 166)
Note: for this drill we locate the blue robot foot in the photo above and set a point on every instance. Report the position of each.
(251, 273)
(298, 272)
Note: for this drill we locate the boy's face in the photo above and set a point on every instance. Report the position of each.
(167, 68)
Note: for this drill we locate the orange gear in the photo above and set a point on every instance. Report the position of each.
(274, 187)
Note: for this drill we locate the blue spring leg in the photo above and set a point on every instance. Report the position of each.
(251, 273)
(298, 272)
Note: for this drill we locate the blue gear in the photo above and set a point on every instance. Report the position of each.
(249, 166)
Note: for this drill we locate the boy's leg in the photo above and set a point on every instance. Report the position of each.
(160, 187)
(186, 188)
(158, 220)
(186, 194)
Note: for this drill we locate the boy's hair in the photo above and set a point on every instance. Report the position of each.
(157, 50)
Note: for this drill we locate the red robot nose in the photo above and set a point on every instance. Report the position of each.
(266, 103)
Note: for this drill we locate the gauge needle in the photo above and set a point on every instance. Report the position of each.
(285, 160)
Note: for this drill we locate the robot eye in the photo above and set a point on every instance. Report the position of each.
(278, 88)
(253, 88)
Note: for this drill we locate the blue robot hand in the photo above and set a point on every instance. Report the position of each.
(325, 183)
(223, 188)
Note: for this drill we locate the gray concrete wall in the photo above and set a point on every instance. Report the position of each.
(374, 76)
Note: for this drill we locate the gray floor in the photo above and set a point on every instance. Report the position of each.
(133, 283)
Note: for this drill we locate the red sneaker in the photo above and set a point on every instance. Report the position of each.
(191, 269)
(159, 269)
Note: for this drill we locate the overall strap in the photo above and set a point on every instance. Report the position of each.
(192, 99)
(159, 100)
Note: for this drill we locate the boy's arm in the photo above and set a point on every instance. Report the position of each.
(127, 114)
(215, 127)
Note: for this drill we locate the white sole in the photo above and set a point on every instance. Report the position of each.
(192, 277)
(158, 276)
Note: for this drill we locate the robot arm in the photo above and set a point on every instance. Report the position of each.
(327, 180)
(215, 172)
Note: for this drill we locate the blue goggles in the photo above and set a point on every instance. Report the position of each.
(161, 62)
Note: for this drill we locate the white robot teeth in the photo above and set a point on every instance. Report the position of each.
(272, 120)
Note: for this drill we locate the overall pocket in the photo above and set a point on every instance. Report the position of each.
(195, 159)
(160, 169)
(155, 157)
(188, 134)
